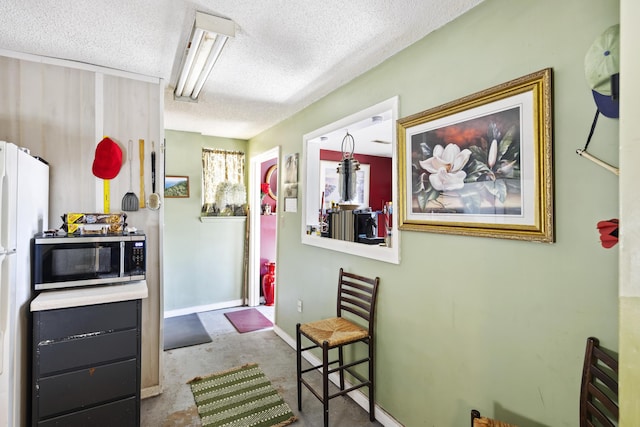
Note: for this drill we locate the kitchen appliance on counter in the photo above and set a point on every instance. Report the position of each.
(69, 260)
(24, 211)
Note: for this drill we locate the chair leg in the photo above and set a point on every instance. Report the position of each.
(325, 382)
(299, 366)
(340, 364)
(372, 401)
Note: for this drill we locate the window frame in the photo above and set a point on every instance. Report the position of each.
(311, 185)
(240, 177)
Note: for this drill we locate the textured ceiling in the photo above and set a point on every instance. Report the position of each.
(286, 53)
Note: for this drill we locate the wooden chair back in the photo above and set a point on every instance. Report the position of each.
(357, 295)
(599, 391)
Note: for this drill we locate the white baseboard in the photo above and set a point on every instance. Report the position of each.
(201, 308)
(358, 396)
(150, 391)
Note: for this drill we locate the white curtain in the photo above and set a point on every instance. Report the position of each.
(219, 166)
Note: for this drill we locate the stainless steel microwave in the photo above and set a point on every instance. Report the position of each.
(74, 261)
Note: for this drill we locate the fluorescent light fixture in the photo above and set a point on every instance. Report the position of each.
(208, 37)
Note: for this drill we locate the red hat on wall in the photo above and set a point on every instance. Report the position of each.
(608, 232)
(108, 159)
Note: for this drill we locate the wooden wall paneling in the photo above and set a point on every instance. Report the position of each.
(9, 79)
(55, 119)
(31, 109)
(51, 109)
(67, 137)
(132, 111)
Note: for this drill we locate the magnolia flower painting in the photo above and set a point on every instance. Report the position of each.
(481, 165)
(472, 167)
(445, 167)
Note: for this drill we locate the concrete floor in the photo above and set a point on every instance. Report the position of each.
(175, 406)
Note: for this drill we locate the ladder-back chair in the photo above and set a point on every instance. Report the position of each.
(354, 323)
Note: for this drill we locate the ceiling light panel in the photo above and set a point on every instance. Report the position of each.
(209, 35)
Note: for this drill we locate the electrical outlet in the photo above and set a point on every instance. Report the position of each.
(299, 306)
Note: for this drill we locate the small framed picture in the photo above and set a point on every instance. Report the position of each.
(176, 186)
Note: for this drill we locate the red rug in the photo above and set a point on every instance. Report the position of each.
(248, 320)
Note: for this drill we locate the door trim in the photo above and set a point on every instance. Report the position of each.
(253, 294)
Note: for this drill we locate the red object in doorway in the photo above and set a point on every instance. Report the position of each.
(608, 232)
(269, 283)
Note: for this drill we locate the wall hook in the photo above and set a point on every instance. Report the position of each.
(597, 161)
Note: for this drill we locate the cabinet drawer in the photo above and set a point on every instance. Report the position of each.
(67, 322)
(58, 394)
(89, 351)
(122, 413)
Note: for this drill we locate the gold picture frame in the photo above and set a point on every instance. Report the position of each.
(272, 180)
(481, 165)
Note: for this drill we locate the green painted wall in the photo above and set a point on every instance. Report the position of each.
(203, 262)
(469, 322)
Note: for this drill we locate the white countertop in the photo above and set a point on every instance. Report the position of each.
(53, 299)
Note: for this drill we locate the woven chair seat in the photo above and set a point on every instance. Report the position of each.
(487, 422)
(335, 331)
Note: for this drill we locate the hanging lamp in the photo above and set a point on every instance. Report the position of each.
(347, 168)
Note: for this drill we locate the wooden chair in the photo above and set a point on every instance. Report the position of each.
(356, 300)
(479, 421)
(599, 391)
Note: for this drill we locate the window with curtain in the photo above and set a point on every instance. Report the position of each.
(224, 192)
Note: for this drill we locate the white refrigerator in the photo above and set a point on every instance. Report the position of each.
(24, 211)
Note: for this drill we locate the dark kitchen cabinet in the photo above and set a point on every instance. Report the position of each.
(86, 365)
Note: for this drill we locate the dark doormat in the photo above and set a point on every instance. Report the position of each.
(184, 331)
(248, 320)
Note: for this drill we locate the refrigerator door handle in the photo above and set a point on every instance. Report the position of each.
(3, 196)
(8, 194)
(4, 307)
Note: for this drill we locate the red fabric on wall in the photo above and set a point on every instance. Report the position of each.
(380, 178)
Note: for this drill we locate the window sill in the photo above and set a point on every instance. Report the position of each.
(380, 253)
(222, 218)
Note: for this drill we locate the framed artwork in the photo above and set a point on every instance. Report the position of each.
(291, 176)
(481, 165)
(330, 185)
(176, 186)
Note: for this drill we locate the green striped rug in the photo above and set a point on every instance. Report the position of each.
(240, 397)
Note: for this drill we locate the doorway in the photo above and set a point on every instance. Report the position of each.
(263, 237)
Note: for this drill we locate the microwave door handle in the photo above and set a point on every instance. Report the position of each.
(122, 246)
(96, 260)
